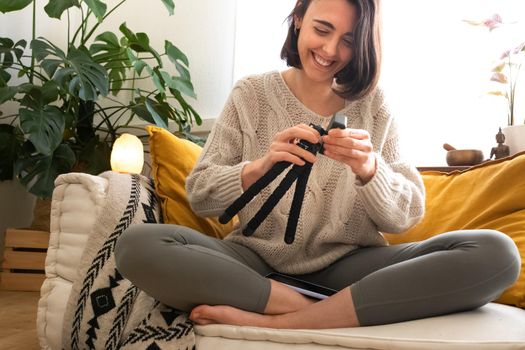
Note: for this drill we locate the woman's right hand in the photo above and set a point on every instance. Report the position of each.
(283, 148)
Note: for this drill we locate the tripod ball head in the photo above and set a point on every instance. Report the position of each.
(337, 121)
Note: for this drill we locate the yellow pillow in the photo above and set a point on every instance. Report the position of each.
(172, 160)
(488, 196)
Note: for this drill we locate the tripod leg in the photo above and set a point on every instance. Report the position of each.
(271, 202)
(252, 191)
(297, 203)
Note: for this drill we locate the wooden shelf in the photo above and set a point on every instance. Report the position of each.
(443, 169)
(24, 260)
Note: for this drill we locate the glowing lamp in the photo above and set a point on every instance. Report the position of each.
(127, 155)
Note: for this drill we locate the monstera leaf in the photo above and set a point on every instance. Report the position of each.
(98, 8)
(13, 5)
(43, 122)
(75, 72)
(38, 172)
(107, 51)
(9, 53)
(139, 42)
(55, 8)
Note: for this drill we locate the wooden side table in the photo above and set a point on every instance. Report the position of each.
(24, 260)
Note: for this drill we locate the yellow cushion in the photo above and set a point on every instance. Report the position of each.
(172, 160)
(488, 196)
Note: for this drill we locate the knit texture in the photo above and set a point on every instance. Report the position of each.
(339, 214)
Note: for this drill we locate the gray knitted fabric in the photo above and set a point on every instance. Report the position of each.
(339, 214)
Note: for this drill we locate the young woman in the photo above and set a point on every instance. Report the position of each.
(358, 188)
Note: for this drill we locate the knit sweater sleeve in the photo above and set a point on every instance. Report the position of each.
(395, 196)
(215, 182)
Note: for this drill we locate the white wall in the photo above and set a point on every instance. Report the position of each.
(435, 66)
(436, 73)
(259, 36)
(203, 30)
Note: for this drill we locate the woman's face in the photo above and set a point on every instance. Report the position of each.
(325, 41)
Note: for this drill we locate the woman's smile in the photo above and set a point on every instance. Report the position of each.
(324, 63)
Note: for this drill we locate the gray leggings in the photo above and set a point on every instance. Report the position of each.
(451, 272)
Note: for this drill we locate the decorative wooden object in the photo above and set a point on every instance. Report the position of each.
(24, 260)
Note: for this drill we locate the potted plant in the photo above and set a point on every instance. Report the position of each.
(71, 95)
(505, 76)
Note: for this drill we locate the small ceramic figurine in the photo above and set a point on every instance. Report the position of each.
(501, 150)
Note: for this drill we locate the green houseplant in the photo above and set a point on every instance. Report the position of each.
(69, 114)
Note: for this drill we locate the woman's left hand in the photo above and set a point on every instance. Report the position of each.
(353, 148)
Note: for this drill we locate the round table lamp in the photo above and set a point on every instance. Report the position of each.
(127, 155)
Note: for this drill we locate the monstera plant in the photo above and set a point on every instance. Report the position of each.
(70, 97)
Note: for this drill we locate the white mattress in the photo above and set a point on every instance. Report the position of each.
(77, 200)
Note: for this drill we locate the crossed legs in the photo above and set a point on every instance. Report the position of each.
(448, 273)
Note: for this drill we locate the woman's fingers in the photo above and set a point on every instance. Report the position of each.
(346, 141)
(291, 152)
(298, 132)
(354, 148)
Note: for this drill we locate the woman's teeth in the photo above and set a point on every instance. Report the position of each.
(322, 61)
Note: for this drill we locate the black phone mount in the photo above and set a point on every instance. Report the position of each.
(299, 173)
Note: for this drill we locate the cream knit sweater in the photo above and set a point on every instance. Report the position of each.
(339, 214)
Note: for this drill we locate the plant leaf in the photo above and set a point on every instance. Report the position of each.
(4, 78)
(175, 54)
(82, 77)
(13, 5)
(499, 78)
(169, 5)
(55, 8)
(8, 48)
(156, 75)
(142, 112)
(183, 85)
(183, 71)
(11, 140)
(42, 48)
(50, 66)
(138, 64)
(499, 67)
(38, 172)
(188, 110)
(159, 120)
(7, 93)
(107, 51)
(43, 123)
(139, 42)
(98, 7)
(50, 91)
(497, 93)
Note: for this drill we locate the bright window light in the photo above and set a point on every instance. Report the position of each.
(436, 67)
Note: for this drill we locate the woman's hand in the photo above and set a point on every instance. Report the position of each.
(354, 148)
(283, 148)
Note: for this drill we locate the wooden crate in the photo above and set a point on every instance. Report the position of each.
(24, 260)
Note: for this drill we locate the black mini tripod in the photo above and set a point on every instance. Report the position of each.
(299, 173)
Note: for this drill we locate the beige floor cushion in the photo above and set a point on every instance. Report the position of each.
(79, 197)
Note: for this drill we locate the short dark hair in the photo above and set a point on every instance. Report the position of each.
(360, 76)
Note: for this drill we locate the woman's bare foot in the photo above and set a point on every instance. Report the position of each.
(284, 299)
(335, 312)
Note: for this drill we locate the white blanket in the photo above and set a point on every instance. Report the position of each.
(106, 311)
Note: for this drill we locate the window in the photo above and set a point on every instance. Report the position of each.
(436, 67)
